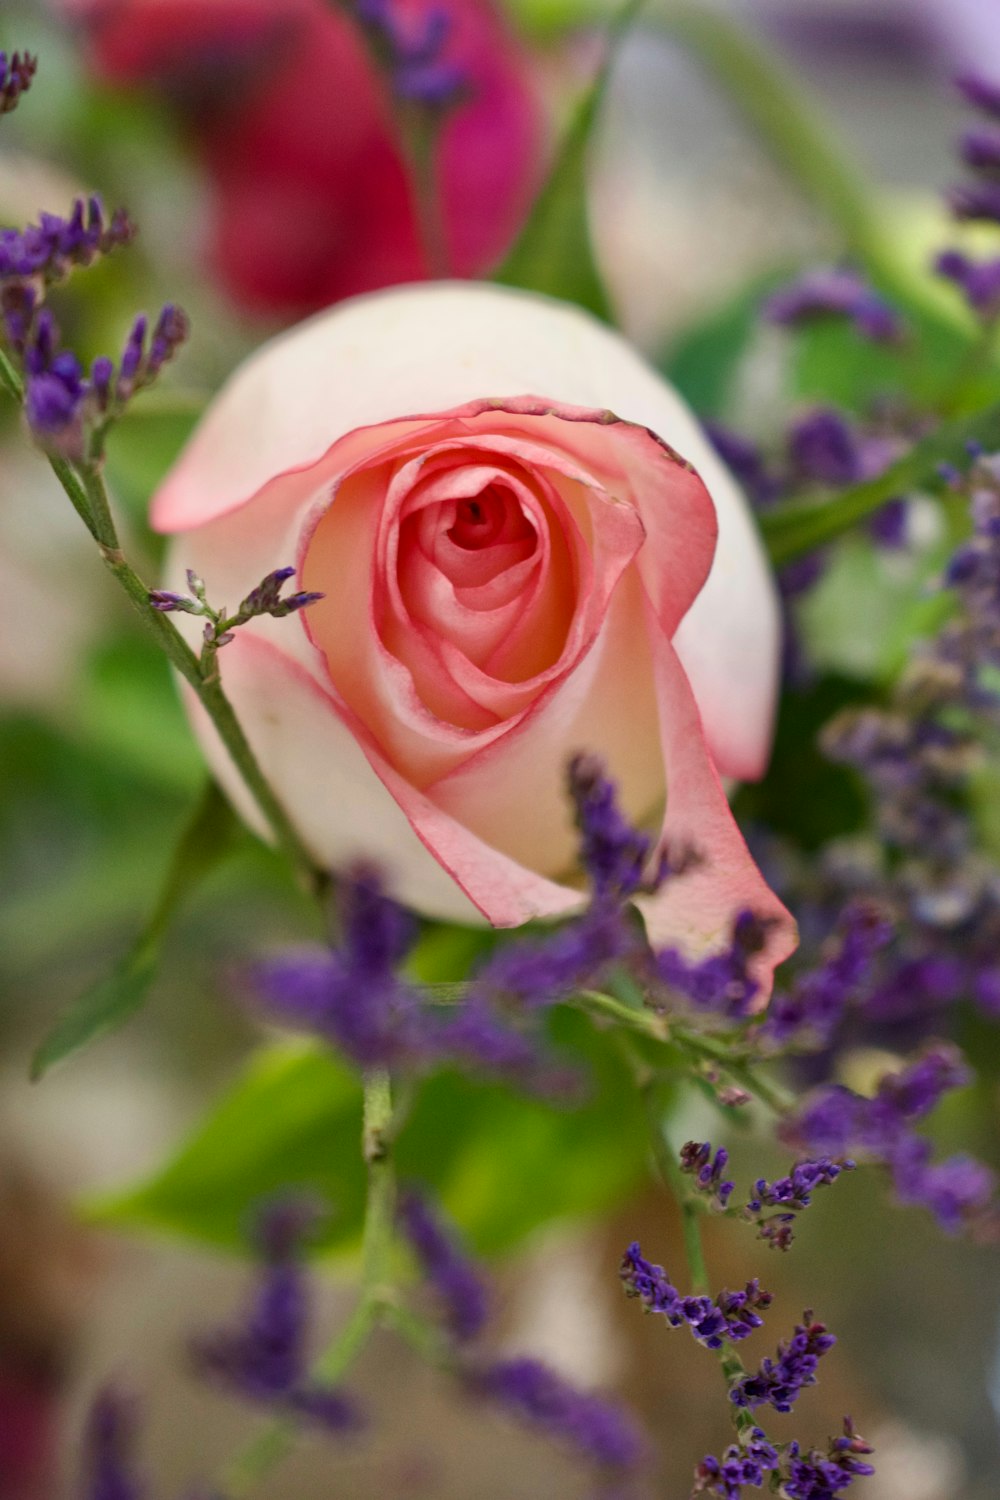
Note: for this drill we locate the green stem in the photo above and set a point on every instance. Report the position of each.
(419, 135)
(720, 1053)
(374, 1305)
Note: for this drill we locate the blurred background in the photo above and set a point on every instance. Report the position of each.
(191, 123)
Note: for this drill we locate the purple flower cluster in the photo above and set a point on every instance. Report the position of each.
(958, 1191)
(744, 1464)
(732, 1315)
(723, 983)
(355, 998)
(835, 292)
(17, 69)
(62, 404)
(790, 1195)
(822, 1476)
(977, 199)
(49, 250)
(264, 1358)
(615, 855)
(265, 599)
(810, 1012)
(599, 1430)
(414, 53)
(800, 1476)
(780, 1381)
(455, 1280)
(697, 1160)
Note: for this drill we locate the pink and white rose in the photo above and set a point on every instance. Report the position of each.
(498, 499)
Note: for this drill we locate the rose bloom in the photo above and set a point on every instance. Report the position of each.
(495, 495)
(311, 199)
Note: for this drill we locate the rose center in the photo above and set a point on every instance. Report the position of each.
(480, 520)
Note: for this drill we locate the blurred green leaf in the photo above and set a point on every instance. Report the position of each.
(107, 1005)
(554, 253)
(103, 1008)
(129, 709)
(503, 1164)
(702, 362)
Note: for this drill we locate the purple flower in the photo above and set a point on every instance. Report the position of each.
(615, 855)
(109, 1437)
(980, 149)
(53, 247)
(415, 53)
(742, 1464)
(598, 1429)
(697, 1159)
(17, 69)
(817, 1476)
(780, 1381)
(732, 1315)
(976, 201)
(828, 291)
(818, 1000)
(264, 1358)
(747, 463)
(982, 93)
(825, 448)
(724, 982)
(352, 997)
(790, 1195)
(60, 404)
(454, 1279)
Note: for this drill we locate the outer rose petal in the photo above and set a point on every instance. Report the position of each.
(366, 362)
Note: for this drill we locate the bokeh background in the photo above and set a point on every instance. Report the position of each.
(690, 216)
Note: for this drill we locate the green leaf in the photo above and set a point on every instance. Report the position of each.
(800, 526)
(112, 1001)
(503, 1164)
(104, 1007)
(554, 253)
(703, 360)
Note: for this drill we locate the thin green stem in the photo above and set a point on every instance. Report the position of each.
(375, 1305)
(420, 137)
(721, 1054)
(9, 378)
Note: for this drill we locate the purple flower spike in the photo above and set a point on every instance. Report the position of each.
(722, 983)
(457, 1283)
(732, 1315)
(830, 291)
(352, 997)
(264, 1358)
(109, 1437)
(780, 1381)
(49, 250)
(614, 854)
(596, 1428)
(982, 93)
(414, 53)
(824, 447)
(16, 72)
(976, 201)
(707, 1171)
(740, 1465)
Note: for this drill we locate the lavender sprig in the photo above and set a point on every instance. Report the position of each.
(17, 69)
(835, 292)
(732, 1316)
(67, 411)
(458, 1285)
(780, 1381)
(264, 1357)
(598, 1429)
(414, 53)
(48, 251)
(220, 626)
(697, 1160)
